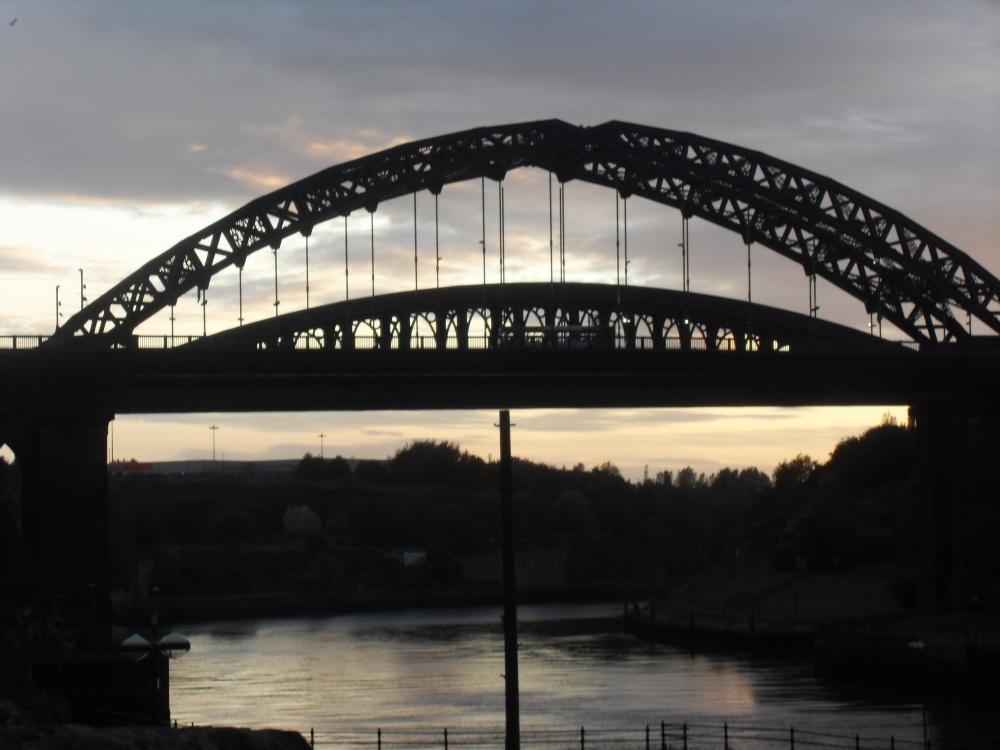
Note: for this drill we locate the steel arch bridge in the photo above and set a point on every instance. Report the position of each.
(543, 316)
(895, 267)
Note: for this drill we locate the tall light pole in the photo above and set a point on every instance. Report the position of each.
(83, 299)
(213, 428)
(321, 436)
(58, 305)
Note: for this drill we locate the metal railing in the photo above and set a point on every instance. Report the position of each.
(18, 343)
(11, 343)
(666, 736)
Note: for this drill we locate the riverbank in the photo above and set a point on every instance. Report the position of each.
(79, 737)
(199, 609)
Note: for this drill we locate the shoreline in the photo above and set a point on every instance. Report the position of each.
(195, 610)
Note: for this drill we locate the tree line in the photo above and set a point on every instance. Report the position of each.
(212, 534)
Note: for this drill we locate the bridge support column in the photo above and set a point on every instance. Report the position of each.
(64, 479)
(959, 443)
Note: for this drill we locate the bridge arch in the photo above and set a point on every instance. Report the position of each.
(895, 267)
(537, 316)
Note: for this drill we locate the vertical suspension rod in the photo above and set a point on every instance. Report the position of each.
(503, 273)
(483, 240)
(276, 302)
(416, 280)
(618, 252)
(372, 223)
(437, 252)
(307, 272)
(562, 233)
(552, 277)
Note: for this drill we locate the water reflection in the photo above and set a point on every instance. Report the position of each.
(346, 676)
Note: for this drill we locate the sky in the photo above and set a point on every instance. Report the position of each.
(128, 126)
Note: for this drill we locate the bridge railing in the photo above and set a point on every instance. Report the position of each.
(12, 343)
(162, 342)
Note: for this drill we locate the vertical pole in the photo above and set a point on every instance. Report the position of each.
(791, 737)
(513, 738)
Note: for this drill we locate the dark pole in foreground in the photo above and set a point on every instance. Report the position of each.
(513, 739)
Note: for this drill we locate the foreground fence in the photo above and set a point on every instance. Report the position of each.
(662, 737)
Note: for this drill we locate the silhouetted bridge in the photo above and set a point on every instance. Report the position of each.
(511, 345)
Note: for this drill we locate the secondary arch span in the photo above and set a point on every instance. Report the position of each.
(895, 267)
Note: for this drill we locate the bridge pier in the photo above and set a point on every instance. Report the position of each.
(64, 490)
(958, 447)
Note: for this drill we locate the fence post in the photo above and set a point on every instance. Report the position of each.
(380, 738)
(582, 743)
(725, 735)
(663, 735)
(312, 737)
(791, 736)
(647, 737)
(446, 738)
(685, 736)
(857, 742)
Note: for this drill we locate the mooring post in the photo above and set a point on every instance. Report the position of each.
(513, 738)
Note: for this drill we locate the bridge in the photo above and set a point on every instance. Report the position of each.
(513, 345)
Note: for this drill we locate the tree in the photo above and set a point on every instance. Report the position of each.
(795, 472)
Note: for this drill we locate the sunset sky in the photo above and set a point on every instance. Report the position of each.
(127, 126)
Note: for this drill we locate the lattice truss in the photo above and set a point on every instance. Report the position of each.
(898, 269)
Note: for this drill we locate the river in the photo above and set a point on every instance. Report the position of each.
(414, 674)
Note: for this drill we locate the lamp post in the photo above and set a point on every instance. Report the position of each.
(321, 436)
(83, 299)
(213, 428)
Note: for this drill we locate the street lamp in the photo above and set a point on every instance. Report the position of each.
(213, 428)
(83, 300)
(321, 436)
